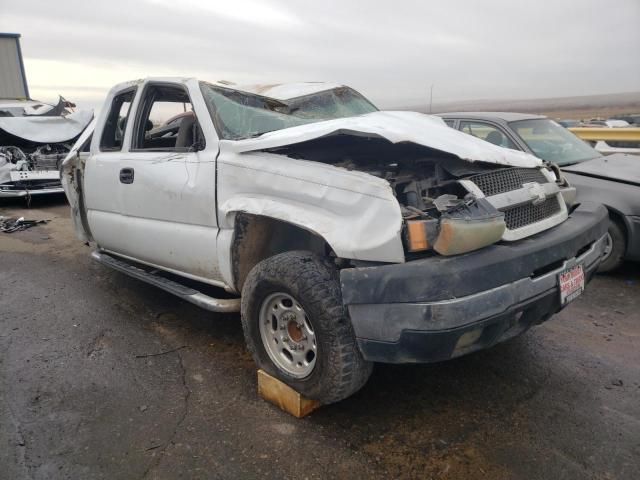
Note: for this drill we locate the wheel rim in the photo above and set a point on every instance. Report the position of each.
(287, 335)
(608, 247)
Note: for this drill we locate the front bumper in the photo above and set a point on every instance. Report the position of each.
(27, 189)
(437, 308)
(22, 192)
(31, 183)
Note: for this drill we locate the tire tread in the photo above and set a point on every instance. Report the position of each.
(314, 281)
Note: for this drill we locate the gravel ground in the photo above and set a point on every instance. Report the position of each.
(102, 376)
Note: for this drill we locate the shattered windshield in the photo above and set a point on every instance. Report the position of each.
(239, 115)
(552, 142)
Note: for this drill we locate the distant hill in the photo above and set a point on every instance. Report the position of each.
(586, 106)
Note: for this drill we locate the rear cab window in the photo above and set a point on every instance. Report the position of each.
(116, 124)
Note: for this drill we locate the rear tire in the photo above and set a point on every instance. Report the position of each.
(615, 248)
(307, 285)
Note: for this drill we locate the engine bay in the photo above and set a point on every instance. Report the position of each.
(36, 157)
(418, 175)
(439, 211)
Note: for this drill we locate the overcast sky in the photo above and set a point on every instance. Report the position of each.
(392, 51)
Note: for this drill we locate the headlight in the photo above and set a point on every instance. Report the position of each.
(463, 229)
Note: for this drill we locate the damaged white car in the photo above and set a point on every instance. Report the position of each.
(34, 139)
(344, 234)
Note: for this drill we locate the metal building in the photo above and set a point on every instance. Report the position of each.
(13, 80)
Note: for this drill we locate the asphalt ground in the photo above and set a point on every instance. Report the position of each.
(102, 376)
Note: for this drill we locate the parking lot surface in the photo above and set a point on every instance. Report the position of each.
(102, 376)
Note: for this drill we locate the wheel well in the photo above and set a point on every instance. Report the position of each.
(256, 237)
(618, 219)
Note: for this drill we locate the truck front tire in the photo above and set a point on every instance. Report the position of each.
(297, 328)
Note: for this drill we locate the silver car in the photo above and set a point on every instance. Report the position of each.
(613, 180)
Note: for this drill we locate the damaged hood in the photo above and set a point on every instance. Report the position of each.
(396, 127)
(45, 129)
(618, 167)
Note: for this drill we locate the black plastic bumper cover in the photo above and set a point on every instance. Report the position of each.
(440, 307)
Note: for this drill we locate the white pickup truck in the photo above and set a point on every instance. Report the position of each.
(345, 235)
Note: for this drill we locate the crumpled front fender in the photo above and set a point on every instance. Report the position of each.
(354, 212)
(71, 176)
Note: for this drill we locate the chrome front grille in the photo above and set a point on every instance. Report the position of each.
(523, 215)
(527, 209)
(506, 180)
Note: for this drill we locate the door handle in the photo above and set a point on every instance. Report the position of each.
(126, 175)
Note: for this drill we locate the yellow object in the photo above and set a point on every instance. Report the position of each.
(603, 133)
(417, 235)
(285, 397)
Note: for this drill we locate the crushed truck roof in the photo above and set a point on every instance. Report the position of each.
(396, 127)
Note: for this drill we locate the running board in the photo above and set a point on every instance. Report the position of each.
(224, 305)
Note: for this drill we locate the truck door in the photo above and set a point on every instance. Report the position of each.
(166, 187)
(101, 185)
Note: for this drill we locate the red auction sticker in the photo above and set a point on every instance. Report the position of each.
(571, 283)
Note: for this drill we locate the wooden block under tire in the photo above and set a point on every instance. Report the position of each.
(285, 397)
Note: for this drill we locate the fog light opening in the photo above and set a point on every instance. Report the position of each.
(469, 338)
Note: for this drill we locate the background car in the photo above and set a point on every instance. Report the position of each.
(611, 123)
(613, 180)
(568, 123)
(633, 119)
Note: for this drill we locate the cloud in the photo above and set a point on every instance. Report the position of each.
(262, 14)
(392, 52)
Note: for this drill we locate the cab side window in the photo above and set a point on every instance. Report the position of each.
(166, 121)
(116, 124)
(488, 133)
